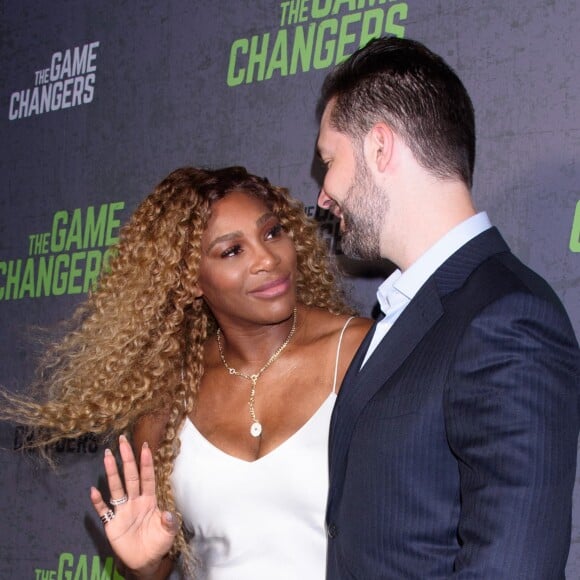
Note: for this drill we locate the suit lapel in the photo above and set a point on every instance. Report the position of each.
(351, 375)
(360, 386)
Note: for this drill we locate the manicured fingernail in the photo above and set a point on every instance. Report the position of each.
(169, 517)
(108, 451)
(122, 438)
(145, 445)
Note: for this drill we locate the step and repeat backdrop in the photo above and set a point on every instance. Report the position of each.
(100, 99)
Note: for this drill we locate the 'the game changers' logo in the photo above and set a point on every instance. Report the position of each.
(80, 567)
(69, 81)
(68, 258)
(313, 34)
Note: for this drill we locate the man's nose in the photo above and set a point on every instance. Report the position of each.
(323, 200)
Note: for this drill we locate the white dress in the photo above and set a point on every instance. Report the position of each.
(263, 519)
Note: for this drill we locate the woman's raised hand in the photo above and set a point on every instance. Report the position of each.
(139, 533)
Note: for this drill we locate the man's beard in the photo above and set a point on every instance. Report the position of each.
(363, 212)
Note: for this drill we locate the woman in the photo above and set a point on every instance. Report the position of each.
(218, 338)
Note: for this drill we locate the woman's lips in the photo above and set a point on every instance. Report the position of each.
(273, 288)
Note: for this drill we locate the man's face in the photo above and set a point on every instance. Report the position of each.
(350, 193)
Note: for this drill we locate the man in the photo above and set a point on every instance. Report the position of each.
(453, 441)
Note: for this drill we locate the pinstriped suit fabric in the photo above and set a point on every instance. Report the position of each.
(453, 451)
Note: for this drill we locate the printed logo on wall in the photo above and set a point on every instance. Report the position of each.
(320, 38)
(67, 259)
(69, 81)
(77, 445)
(81, 566)
(575, 233)
(328, 226)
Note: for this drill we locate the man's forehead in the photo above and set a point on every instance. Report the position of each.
(325, 119)
(319, 142)
(322, 141)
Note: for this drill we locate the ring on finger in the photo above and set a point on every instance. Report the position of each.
(107, 516)
(119, 501)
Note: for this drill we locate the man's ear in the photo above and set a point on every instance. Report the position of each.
(379, 146)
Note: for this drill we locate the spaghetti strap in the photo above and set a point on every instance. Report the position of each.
(338, 354)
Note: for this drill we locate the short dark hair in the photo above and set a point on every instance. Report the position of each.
(401, 82)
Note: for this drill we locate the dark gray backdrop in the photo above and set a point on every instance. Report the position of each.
(155, 96)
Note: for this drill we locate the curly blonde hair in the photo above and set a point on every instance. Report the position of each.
(135, 347)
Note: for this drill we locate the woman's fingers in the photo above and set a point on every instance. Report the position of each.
(139, 533)
(103, 510)
(98, 502)
(130, 473)
(170, 523)
(116, 488)
(147, 471)
(133, 485)
(130, 469)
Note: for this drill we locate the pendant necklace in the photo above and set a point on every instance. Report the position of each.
(256, 427)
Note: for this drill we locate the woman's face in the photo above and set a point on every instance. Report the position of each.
(247, 270)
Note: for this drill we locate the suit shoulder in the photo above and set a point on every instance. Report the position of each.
(529, 280)
(504, 274)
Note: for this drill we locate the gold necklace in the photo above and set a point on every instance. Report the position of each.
(256, 426)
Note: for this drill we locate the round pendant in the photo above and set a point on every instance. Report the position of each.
(256, 429)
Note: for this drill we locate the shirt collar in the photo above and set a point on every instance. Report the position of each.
(402, 286)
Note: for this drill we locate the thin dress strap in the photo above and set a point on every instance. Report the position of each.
(338, 353)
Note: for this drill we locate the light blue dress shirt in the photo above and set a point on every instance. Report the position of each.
(400, 287)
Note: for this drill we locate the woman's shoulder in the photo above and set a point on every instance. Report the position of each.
(354, 334)
(334, 341)
(325, 325)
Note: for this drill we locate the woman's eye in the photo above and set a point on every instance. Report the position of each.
(275, 231)
(233, 251)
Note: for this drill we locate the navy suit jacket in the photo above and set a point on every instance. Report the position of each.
(453, 450)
